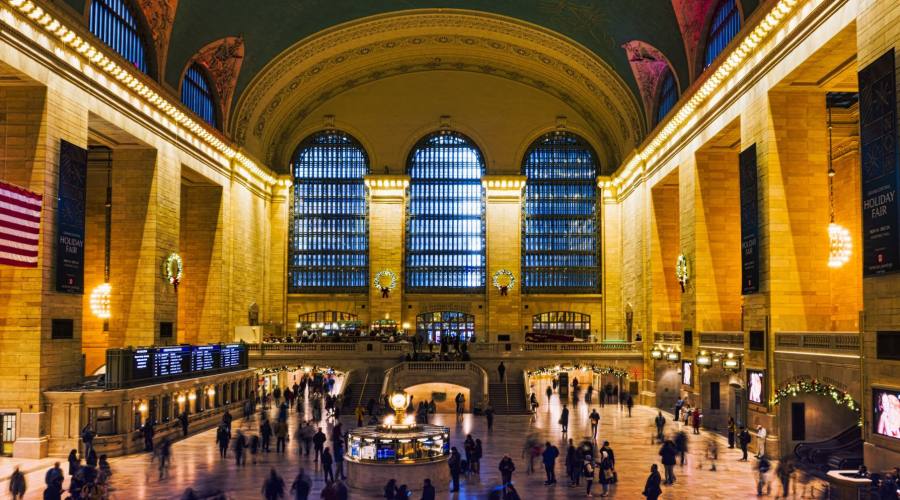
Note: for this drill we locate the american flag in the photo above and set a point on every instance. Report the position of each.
(20, 222)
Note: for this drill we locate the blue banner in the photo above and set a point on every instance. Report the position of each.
(70, 218)
(749, 221)
(879, 159)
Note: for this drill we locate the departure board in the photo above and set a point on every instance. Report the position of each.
(205, 358)
(151, 365)
(172, 361)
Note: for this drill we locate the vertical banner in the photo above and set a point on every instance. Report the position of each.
(879, 157)
(70, 218)
(749, 222)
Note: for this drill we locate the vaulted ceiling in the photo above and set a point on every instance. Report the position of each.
(629, 41)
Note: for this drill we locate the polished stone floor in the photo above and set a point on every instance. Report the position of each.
(196, 461)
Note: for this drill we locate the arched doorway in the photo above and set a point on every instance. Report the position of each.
(810, 411)
(432, 326)
(442, 393)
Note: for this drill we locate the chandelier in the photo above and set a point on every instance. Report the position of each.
(100, 301)
(840, 245)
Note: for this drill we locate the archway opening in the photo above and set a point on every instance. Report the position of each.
(448, 325)
(442, 393)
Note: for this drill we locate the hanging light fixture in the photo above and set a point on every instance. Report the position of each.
(100, 301)
(840, 245)
(100, 296)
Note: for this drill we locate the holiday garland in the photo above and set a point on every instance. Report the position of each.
(511, 280)
(600, 370)
(681, 270)
(813, 386)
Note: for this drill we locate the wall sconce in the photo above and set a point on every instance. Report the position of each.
(181, 399)
(192, 396)
(211, 392)
(656, 353)
(673, 356)
(704, 360)
(142, 407)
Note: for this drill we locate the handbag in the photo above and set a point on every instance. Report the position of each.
(608, 473)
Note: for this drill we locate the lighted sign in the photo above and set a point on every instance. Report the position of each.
(886, 412)
(687, 372)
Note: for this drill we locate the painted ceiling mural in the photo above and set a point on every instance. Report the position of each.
(648, 66)
(222, 59)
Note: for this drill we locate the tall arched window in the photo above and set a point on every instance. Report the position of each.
(329, 240)
(445, 224)
(197, 95)
(113, 22)
(560, 247)
(726, 22)
(667, 97)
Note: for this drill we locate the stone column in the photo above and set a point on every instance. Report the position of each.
(279, 214)
(503, 218)
(387, 216)
(613, 321)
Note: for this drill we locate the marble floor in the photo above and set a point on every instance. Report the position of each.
(196, 461)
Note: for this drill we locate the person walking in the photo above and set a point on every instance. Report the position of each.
(455, 465)
(281, 434)
(183, 420)
(428, 492)
(477, 453)
(679, 404)
(587, 470)
(468, 450)
(549, 458)
(660, 422)
(595, 422)
(762, 482)
(301, 486)
(695, 421)
(573, 465)
(338, 457)
(273, 487)
(668, 452)
(564, 420)
(589, 394)
(629, 403)
(761, 434)
(74, 462)
(460, 405)
(501, 370)
(681, 444)
(222, 439)
(651, 488)
(17, 484)
(784, 471)
(240, 444)
(731, 429)
(744, 442)
(489, 416)
(506, 467)
(306, 434)
(265, 430)
(54, 481)
(549, 392)
(87, 437)
(607, 473)
(327, 460)
(390, 490)
(318, 444)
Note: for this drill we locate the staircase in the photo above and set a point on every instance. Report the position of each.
(508, 398)
(366, 385)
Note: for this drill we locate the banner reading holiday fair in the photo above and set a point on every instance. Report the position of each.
(70, 218)
(749, 221)
(879, 157)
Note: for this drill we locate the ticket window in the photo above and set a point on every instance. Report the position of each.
(103, 420)
(8, 430)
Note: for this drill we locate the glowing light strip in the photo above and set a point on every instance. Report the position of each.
(820, 353)
(97, 59)
(715, 82)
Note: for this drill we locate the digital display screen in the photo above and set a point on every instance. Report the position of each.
(142, 366)
(687, 372)
(172, 361)
(756, 386)
(386, 454)
(148, 365)
(205, 358)
(886, 412)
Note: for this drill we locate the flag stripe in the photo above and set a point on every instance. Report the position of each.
(20, 222)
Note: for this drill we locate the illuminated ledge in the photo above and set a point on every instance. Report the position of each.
(503, 182)
(387, 186)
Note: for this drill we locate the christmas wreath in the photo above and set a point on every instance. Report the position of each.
(174, 269)
(504, 281)
(385, 281)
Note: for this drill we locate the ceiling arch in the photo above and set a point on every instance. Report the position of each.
(316, 69)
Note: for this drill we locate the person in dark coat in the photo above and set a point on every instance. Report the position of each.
(390, 490)
(507, 467)
(744, 442)
(564, 419)
(87, 437)
(428, 492)
(651, 488)
(183, 419)
(265, 431)
(301, 486)
(74, 462)
(240, 444)
(327, 460)
(501, 370)
(222, 439)
(273, 487)
(731, 433)
(455, 464)
(669, 452)
(54, 481)
(630, 404)
(318, 444)
(17, 484)
(573, 464)
(681, 444)
(549, 458)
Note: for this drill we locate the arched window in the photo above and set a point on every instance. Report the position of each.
(113, 22)
(667, 96)
(726, 22)
(560, 250)
(445, 224)
(329, 242)
(197, 95)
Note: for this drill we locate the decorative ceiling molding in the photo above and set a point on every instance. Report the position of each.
(648, 65)
(160, 15)
(222, 59)
(692, 17)
(524, 52)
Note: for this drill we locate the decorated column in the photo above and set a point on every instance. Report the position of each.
(387, 213)
(503, 216)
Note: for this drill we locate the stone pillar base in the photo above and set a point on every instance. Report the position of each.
(31, 447)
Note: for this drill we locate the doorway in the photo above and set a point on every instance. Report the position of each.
(8, 424)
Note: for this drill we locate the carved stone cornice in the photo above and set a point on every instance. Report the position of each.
(498, 41)
(160, 15)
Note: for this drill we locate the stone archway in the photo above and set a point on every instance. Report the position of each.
(461, 373)
(811, 410)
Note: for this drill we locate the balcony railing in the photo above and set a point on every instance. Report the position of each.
(476, 349)
(846, 342)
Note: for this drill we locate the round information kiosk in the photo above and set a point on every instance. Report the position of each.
(398, 449)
